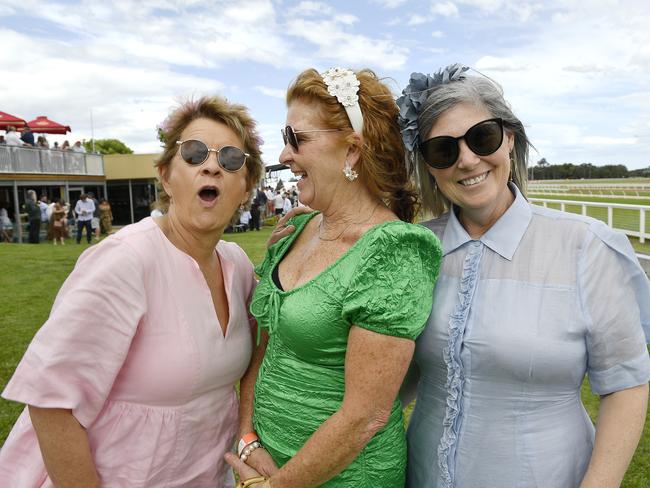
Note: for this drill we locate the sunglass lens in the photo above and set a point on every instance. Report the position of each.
(231, 158)
(485, 138)
(290, 137)
(440, 152)
(194, 152)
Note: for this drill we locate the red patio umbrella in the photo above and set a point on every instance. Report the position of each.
(7, 120)
(44, 125)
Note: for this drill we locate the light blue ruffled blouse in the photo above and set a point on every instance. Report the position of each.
(519, 317)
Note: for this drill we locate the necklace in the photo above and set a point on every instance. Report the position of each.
(320, 226)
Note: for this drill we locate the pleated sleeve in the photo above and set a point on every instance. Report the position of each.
(615, 300)
(391, 291)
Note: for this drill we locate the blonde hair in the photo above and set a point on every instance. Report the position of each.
(216, 108)
(381, 166)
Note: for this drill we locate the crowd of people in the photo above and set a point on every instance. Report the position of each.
(55, 218)
(25, 138)
(491, 314)
(266, 204)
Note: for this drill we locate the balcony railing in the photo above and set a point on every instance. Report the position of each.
(15, 159)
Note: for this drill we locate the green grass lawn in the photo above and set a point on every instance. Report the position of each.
(30, 276)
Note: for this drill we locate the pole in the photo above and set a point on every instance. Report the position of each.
(19, 225)
(92, 129)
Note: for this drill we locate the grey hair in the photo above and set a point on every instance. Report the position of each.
(480, 91)
(31, 194)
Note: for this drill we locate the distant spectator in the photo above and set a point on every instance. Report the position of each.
(257, 208)
(56, 146)
(84, 210)
(95, 221)
(6, 227)
(287, 205)
(65, 146)
(42, 143)
(27, 137)
(58, 223)
(270, 195)
(105, 216)
(245, 217)
(2, 140)
(43, 205)
(78, 147)
(12, 137)
(278, 203)
(33, 217)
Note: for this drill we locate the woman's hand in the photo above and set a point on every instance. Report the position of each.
(244, 471)
(262, 462)
(282, 229)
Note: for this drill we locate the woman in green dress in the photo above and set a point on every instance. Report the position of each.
(340, 300)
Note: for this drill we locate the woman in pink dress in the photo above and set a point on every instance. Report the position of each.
(130, 382)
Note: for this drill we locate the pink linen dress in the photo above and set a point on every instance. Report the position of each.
(134, 348)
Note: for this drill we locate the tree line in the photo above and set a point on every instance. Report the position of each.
(545, 171)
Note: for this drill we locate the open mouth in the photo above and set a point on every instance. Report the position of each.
(299, 174)
(209, 193)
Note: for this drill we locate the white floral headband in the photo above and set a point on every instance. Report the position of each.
(343, 84)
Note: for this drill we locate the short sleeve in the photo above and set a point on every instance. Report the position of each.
(391, 291)
(615, 297)
(76, 355)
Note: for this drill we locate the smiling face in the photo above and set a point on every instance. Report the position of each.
(476, 184)
(205, 196)
(318, 163)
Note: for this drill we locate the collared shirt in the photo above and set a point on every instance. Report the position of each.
(84, 210)
(520, 316)
(13, 139)
(43, 206)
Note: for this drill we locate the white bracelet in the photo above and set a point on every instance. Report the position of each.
(249, 449)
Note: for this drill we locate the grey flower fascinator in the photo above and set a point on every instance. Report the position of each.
(414, 96)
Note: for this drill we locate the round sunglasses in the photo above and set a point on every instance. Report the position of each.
(289, 135)
(195, 152)
(483, 139)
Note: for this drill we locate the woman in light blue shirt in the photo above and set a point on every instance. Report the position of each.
(528, 301)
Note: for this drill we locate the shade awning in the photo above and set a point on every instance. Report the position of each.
(46, 126)
(7, 120)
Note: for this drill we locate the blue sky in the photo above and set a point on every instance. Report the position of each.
(577, 73)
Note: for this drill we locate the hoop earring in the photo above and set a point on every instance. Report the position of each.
(349, 173)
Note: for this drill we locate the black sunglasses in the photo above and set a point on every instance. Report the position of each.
(289, 135)
(195, 152)
(483, 139)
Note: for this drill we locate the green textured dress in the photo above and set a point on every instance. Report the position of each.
(383, 283)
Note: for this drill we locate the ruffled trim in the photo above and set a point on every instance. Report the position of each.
(451, 355)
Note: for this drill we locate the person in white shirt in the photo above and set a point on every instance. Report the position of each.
(287, 205)
(84, 210)
(278, 203)
(78, 147)
(245, 218)
(12, 138)
(42, 204)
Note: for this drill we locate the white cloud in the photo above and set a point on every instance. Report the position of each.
(444, 9)
(608, 141)
(271, 92)
(389, 3)
(437, 34)
(351, 49)
(311, 8)
(417, 19)
(347, 19)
